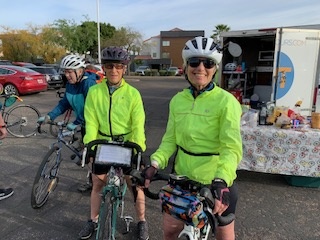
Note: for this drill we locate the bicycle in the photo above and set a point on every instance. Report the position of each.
(53, 129)
(203, 194)
(120, 157)
(20, 120)
(46, 179)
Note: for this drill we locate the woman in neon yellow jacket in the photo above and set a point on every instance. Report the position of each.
(114, 111)
(204, 127)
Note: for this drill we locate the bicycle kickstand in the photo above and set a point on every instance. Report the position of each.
(128, 220)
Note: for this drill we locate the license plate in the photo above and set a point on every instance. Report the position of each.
(40, 81)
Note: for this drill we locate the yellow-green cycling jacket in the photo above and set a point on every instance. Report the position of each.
(116, 114)
(208, 124)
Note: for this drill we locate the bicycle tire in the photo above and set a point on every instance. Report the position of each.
(21, 120)
(46, 178)
(105, 219)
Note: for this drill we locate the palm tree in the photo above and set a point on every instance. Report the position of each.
(219, 29)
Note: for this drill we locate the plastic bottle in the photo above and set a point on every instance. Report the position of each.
(263, 115)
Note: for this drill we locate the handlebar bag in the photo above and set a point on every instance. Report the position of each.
(182, 205)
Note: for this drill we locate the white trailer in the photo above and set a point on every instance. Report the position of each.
(279, 64)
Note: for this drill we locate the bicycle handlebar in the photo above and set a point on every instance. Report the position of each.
(204, 192)
(138, 176)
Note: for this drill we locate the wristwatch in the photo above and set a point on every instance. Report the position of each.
(3, 126)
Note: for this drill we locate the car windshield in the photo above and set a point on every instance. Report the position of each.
(22, 69)
(143, 67)
(46, 70)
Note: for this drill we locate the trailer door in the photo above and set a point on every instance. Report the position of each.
(295, 67)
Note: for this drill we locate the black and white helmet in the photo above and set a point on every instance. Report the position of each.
(72, 62)
(110, 54)
(201, 47)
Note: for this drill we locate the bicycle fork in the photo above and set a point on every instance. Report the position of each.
(128, 219)
(194, 233)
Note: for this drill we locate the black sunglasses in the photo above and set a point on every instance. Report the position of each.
(195, 62)
(112, 65)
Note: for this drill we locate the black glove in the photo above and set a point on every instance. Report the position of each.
(220, 191)
(148, 173)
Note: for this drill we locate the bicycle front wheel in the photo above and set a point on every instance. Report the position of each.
(105, 219)
(46, 178)
(21, 120)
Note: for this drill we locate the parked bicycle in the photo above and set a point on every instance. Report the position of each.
(20, 120)
(122, 159)
(46, 178)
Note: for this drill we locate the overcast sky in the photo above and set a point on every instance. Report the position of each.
(149, 17)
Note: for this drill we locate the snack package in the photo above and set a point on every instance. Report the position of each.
(250, 118)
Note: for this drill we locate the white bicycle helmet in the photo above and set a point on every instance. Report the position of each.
(202, 47)
(72, 62)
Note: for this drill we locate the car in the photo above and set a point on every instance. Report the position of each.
(173, 71)
(5, 62)
(141, 70)
(54, 79)
(19, 80)
(23, 64)
(181, 72)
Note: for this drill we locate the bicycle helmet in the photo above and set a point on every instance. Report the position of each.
(202, 47)
(115, 54)
(72, 62)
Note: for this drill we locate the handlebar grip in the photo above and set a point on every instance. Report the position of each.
(225, 220)
(157, 177)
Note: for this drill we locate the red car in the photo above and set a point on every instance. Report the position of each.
(19, 80)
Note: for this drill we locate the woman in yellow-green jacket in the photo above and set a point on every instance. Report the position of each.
(204, 127)
(114, 111)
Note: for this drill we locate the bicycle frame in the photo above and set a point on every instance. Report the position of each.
(118, 187)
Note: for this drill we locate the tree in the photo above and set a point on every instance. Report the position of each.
(126, 38)
(31, 45)
(219, 29)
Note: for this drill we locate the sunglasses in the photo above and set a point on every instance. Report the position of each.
(114, 65)
(195, 62)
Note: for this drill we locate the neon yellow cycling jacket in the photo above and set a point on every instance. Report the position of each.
(208, 124)
(116, 114)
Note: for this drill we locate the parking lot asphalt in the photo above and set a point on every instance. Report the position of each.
(268, 208)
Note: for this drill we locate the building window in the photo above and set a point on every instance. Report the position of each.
(154, 55)
(165, 55)
(166, 43)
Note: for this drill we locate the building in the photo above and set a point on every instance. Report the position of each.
(164, 50)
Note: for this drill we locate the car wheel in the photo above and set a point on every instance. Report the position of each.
(10, 89)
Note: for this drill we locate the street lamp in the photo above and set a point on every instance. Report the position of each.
(98, 26)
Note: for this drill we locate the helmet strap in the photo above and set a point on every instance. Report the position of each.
(78, 77)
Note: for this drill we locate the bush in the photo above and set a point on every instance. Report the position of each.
(147, 73)
(163, 72)
(171, 73)
(154, 72)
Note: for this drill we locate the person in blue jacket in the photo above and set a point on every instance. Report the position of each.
(79, 82)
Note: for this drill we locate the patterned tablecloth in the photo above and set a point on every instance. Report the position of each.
(273, 150)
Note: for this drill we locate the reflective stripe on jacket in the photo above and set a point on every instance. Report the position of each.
(208, 123)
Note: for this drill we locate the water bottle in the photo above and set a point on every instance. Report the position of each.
(263, 115)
